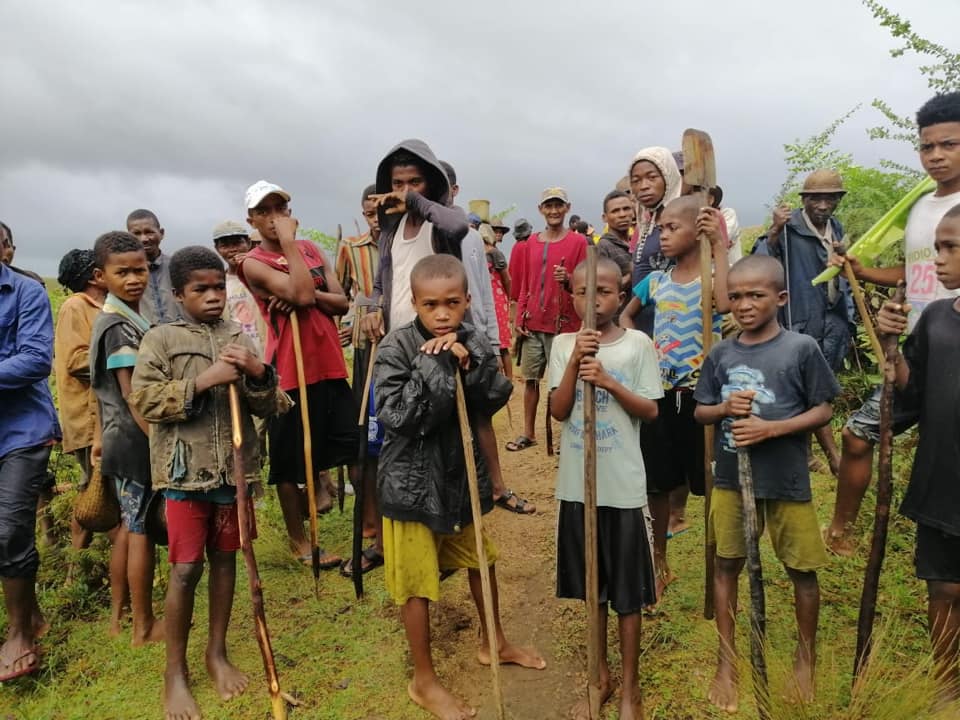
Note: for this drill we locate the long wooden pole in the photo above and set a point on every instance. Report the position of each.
(864, 313)
(244, 515)
(592, 579)
(307, 450)
(878, 545)
(467, 436)
(758, 603)
(706, 308)
(359, 492)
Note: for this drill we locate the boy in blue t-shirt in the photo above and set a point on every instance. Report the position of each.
(622, 364)
(673, 445)
(768, 389)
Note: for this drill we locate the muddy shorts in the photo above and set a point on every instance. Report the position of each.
(535, 354)
(195, 526)
(414, 555)
(793, 526)
(624, 556)
(134, 500)
(865, 422)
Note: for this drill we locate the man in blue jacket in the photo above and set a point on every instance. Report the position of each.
(804, 240)
(28, 428)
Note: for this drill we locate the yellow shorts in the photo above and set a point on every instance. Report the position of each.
(414, 555)
(793, 526)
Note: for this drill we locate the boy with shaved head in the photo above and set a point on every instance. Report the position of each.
(767, 388)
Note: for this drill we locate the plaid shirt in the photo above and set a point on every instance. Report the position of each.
(356, 267)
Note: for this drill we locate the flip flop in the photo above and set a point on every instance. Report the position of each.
(678, 532)
(327, 562)
(28, 670)
(519, 508)
(373, 558)
(521, 443)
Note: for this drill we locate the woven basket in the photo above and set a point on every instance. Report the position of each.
(97, 508)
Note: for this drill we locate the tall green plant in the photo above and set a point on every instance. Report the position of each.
(942, 73)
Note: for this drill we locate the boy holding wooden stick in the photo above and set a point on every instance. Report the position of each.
(673, 445)
(622, 364)
(180, 387)
(768, 388)
(927, 370)
(422, 481)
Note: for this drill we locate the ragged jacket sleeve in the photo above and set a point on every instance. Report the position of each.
(156, 395)
(415, 392)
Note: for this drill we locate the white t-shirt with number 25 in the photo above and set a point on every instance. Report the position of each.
(922, 284)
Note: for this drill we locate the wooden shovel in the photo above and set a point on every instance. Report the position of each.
(307, 450)
(700, 173)
(758, 604)
(861, 304)
(881, 518)
(278, 702)
(359, 490)
(592, 579)
(466, 435)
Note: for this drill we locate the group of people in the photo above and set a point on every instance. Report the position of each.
(148, 349)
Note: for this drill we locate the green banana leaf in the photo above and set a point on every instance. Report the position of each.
(887, 231)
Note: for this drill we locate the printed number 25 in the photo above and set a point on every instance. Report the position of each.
(923, 279)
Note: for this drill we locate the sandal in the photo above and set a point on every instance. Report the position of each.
(327, 561)
(28, 670)
(521, 443)
(373, 558)
(519, 507)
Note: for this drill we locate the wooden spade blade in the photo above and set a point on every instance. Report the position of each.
(699, 164)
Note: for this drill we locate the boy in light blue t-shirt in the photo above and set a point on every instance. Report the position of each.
(622, 364)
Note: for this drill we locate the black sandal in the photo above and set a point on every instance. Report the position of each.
(519, 508)
(373, 558)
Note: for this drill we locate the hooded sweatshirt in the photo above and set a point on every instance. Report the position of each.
(449, 223)
(646, 242)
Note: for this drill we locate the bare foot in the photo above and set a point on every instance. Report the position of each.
(153, 632)
(513, 655)
(437, 700)
(581, 710)
(723, 688)
(840, 542)
(178, 702)
(631, 705)
(663, 579)
(802, 688)
(677, 525)
(227, 679)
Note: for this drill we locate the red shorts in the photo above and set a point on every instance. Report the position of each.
(197, 525)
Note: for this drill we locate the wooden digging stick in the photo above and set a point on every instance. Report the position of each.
(700, 172)
(758, 604)
(307, 451)
(878, 546)
(359, 492)
(864, 313)
(592, 579)
(557, 325)
(244, 515)
(466, 435)
(341, 478)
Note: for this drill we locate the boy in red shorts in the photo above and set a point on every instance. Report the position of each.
(180, 386)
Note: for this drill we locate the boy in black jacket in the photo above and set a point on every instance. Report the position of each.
(422, 481)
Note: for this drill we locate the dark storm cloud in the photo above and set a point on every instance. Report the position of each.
(178, 106)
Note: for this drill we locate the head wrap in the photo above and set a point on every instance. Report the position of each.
(76, 270)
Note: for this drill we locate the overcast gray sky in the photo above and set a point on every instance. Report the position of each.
(178, 106)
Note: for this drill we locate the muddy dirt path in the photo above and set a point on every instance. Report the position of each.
(531, 613)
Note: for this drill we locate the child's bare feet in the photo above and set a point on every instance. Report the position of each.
(581, 710)
(663, 580)
(723, 688)
(802, 690)
(677, 525)
(513, 655)
(151, 632)
(437, 700)
(631, 705)
(178, 702)
(228, 680)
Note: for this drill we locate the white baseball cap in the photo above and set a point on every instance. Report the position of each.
(259, 190)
